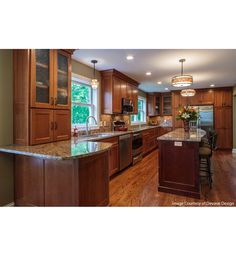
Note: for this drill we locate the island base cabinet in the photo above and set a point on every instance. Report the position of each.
(179, 168)
(28, 181)
(76, 182)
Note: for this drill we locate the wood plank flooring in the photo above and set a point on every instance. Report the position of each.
(137, 185)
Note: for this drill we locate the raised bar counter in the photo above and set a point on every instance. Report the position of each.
(179, 162)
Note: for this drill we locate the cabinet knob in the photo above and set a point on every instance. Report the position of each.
(55, 101)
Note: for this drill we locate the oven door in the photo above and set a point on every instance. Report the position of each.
(137, 143)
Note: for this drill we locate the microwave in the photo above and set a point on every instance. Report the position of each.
(127, 106)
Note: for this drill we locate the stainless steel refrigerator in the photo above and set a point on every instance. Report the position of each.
(206, 117)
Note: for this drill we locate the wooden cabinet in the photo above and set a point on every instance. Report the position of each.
(49, 125)
(116, 99)
(223, 97)
(42, 82)
(223, 127)
(166, 104)
(74, 182)
(159, 104)
(113, 155)
(50, 78)
(41, 126)
(202, 97)
(116, 86)
(151, 104)
(62, 125)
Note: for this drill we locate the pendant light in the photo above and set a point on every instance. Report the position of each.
(94, 81)
(188, 92)
(182, 80)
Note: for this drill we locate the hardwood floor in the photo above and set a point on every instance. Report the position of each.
(137, 186)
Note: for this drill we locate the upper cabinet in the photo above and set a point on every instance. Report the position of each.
(50, 79)
(159, 104)
(223, 97)
(42, 88)
(116, 86)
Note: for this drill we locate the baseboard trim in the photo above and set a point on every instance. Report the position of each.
(10, 204)
(234, 150)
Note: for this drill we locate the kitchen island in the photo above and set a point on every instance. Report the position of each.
(66, 173)
(179, 162)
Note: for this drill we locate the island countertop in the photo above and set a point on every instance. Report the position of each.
(179, 135)
(63, 150)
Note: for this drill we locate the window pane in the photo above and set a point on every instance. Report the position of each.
(80, 113)
(81, 93)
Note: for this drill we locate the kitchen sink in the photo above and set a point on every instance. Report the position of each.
(96, 135)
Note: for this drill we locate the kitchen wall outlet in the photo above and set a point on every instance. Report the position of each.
(178, 143)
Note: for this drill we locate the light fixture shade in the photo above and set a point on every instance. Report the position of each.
(94, 83)
(188, 92)
(182, 81)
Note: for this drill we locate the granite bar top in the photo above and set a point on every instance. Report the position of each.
(63, 150)
(180, 135)
(77, 147)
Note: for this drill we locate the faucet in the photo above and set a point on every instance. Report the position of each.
(87, 123)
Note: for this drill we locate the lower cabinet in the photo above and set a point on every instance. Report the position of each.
(47, 125)
(76, 182)
(113, 155)
(224, 138)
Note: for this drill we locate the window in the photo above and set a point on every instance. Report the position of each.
(84, 102)
(141, 116)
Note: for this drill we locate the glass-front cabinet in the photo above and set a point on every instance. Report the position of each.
(158, 105)
(62, 79)
(50, 79)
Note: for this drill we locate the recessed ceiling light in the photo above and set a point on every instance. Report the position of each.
(166, 89)
(159, 82)
(212, 85)
(130, 57)
(148, 73)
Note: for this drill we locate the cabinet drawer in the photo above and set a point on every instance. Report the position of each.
(113, 140)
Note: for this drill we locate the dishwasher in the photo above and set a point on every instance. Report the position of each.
(125, 149)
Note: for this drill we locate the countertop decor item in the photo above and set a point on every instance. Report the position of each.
(94, 82)
(187, 113)
(182, 80)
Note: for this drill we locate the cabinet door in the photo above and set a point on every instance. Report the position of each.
(41, 78)
(123, 89)
(62, 125)
(116, 95)
(151, 105)
(166, 104)
(114, 159)
(135, 100)
(41, 123)
(223, 117)
(196, 99)
(224, 138)
(62, 79)
(158, 104)
(227, 98)
(129, 91)
(207, 97)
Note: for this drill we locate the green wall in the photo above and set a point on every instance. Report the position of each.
(6, 125)
(234, 118)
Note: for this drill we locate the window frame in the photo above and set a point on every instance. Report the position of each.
(76, 79)
(144, 111)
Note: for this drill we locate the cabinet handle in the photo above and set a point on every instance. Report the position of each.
(52, 101)
(55, 101)
(52, 125)
(55, 126)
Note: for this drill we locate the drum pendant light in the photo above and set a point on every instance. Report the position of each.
(182, 80)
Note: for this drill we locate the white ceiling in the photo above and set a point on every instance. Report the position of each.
(206, 66)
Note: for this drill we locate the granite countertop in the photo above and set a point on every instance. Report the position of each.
(63, 150)
(77, 147)
(180, 135)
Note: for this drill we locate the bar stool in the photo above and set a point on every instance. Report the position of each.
(205, 154)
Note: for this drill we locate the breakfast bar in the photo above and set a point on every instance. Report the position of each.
(179, 162)
(66, 173)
